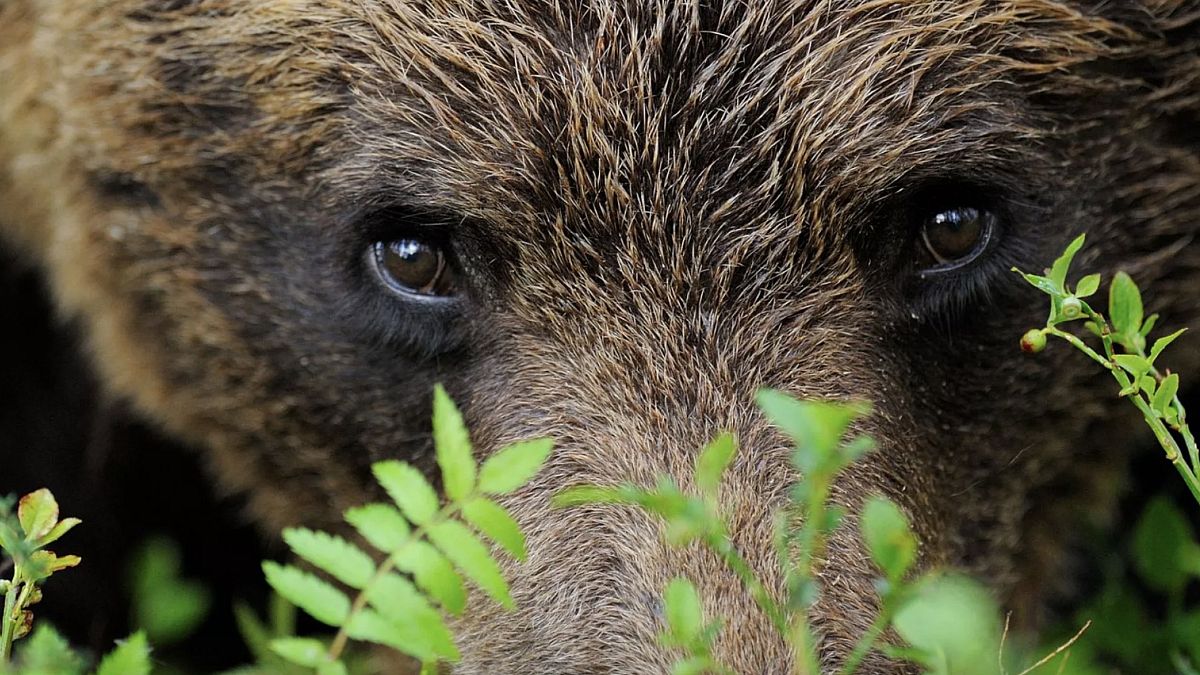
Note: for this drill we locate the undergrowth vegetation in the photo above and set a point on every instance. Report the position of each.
(405, 576)
(24, 536)
(1131, 632)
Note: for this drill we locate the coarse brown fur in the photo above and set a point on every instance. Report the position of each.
(658, 207)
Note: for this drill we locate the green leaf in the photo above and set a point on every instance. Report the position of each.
(300, 651)
(1087, 286)
(889, 537)
(858, 448)
(580, 495)
(1161, 343)
(331, 668)
(413, 619)
(370, 626)
(452, 446)
(1182, 665)
(1058, 271)
(1124, 305)
(1160, 543)
(131, 657)
(8, 537)
(381, 525)
(252, 631)
(494, 521)
(1165, 395)
(1147, 384)
(339, 558)
(1133, 364)
(435, 575)
(685, 614)
(513, 466)
(1148, 325)
(814, 426)
(60, 528)
(1186, 628)
(695, 665)
(166, 607)
(1041, 283)
(470, 556)
(318, 598)
(955, 622)
(43, 563)
(1119, 623)
(665, 500)
(833, 518)
(408, 488)
(803, 592)
(37, 512)
(688, 522)
(713, 461)
(47, 651)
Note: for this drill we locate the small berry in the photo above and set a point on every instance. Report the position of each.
(1072, 308)
(1033, 342)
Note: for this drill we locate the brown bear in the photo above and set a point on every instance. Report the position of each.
(280, 223)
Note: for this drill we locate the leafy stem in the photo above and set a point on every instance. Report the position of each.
(1153, 393)
(10, 619)
(868, 640)
(734, 560)
(342, 638)
(427, 550)
(1081, 346)
(24, 539)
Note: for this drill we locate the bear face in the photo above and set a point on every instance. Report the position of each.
(610, 223)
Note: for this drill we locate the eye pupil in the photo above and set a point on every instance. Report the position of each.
(413, 266)
(956, 234)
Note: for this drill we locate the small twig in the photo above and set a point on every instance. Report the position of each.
(1062, 666)
(1064, 646)
(1003, 639)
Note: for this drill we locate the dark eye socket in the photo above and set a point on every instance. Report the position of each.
(414, 267)
(956, 236)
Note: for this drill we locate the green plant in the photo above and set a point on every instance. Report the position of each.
(949, 623)
(47, 653)
(23, 539)
(1143, 621)
(946, 623)
(414, 536)
(1165, 551)
(1123, 339)
(166, 607)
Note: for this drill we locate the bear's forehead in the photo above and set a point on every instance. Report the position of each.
(614, 115)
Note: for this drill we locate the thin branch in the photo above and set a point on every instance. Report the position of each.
(1061, 648)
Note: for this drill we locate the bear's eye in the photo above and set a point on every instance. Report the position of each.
(413, 267)
(956, 236)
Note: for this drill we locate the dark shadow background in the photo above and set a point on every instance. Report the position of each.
(122, 477)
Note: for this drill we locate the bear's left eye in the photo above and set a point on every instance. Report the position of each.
(956, 236)
(414, 267)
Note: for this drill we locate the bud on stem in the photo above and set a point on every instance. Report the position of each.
(1033, 341)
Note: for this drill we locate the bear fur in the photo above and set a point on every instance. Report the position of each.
(657, 208)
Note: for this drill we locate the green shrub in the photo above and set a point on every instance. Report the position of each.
(436, 545)
(422, 551)
(23, 538)
(1165, 552)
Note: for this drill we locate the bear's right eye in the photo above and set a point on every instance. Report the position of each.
(413, 267)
